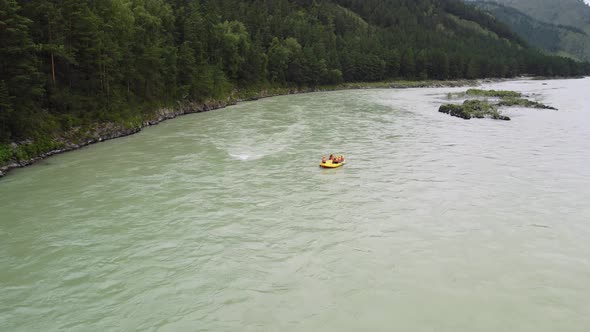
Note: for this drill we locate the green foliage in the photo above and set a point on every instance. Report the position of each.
(333, 76)
(233, 46)
(5, 111)
(27, 151)
(473, 109)
(493, 93)
(21, 85)
(476, 108)
(408, 64)
(5, 154)
(68, 64)
(512, 101)
(553, 38)
(572, 14)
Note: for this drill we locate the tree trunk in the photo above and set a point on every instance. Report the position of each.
(52, 68)
(52, 58)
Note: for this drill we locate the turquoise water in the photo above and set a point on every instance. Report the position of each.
(222, 221)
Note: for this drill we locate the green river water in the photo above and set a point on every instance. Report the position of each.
(223, 221)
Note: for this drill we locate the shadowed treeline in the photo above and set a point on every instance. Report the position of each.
(67, 64)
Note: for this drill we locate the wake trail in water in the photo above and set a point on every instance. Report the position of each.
(248, 148)
(245, 157)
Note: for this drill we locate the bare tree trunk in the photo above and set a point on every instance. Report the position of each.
(52, 58)
(52, 68)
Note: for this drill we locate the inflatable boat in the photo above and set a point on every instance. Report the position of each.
(330, 164)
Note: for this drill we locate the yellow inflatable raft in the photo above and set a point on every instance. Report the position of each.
(330, 164)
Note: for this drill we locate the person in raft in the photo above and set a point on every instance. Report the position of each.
(335, 160)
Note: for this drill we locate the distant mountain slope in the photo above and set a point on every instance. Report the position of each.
(565, 12)
(552, 38)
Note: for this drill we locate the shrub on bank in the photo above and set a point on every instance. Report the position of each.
(27, 151)
(5, 154)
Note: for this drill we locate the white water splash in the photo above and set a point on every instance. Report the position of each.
(247, 156)
(242, 157)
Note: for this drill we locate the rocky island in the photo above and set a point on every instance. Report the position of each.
(478, 106)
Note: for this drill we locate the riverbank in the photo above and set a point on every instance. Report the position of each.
(29, 152)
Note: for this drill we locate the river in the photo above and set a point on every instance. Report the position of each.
(223, 221)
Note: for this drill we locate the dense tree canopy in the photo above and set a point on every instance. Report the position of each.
(65, 63)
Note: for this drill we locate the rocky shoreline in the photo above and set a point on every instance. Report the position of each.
(107, 131)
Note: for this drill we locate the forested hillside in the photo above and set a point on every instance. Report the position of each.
(557, 38)
(574, 13)
(71, 63)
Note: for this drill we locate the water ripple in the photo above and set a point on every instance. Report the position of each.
(223, 221)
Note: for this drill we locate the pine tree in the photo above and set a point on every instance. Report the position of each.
(5, 111)
(18, 70)
(408, 64)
